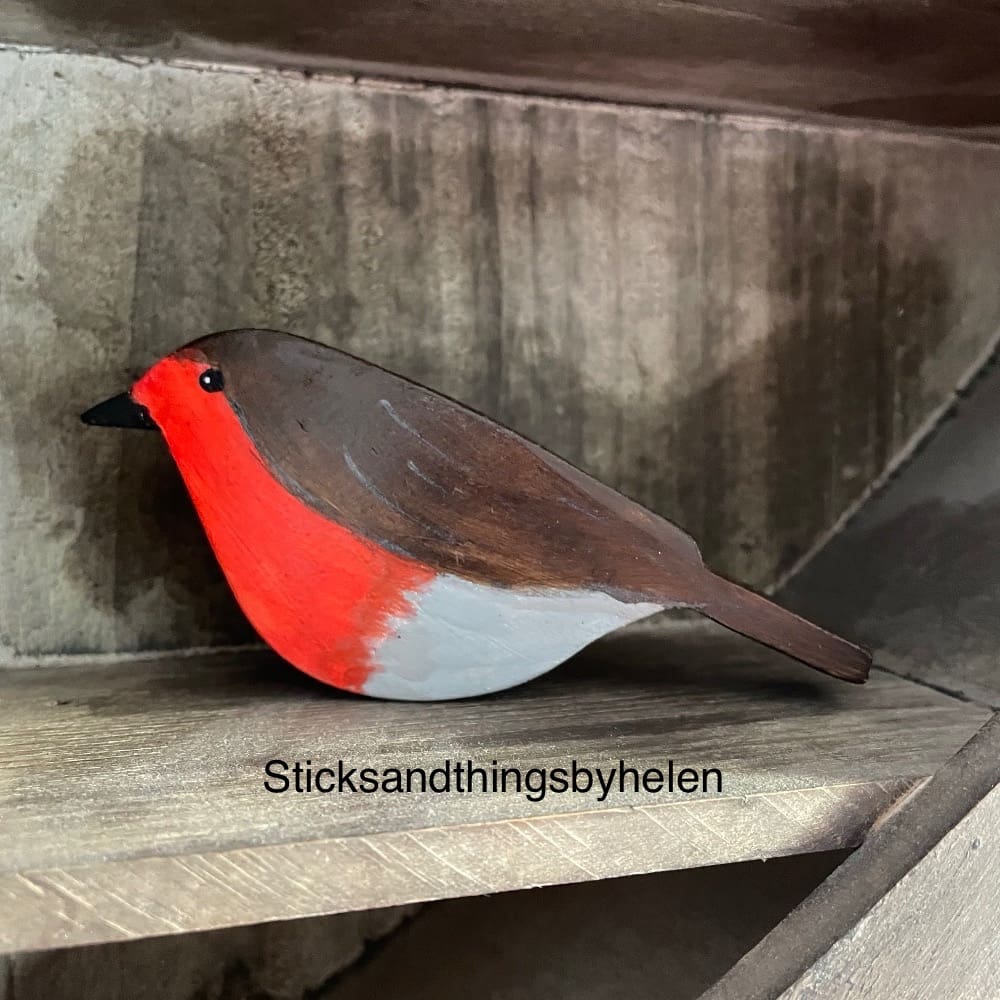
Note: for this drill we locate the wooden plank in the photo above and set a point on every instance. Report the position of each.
(924, 62)
(911, 914)
(133, 798)
(691, 308)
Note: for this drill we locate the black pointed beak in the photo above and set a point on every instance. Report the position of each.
(119, 411)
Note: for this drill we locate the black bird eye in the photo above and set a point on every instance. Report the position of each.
(211, 380)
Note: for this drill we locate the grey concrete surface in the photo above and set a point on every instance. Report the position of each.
(738, 322)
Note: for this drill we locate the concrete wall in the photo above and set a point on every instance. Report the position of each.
(738, 322)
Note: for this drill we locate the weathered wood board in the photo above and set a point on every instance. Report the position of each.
(926, 62)
(134, 799)
(738, 322)
(912, 914)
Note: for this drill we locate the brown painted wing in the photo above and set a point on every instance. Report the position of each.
(427, 477)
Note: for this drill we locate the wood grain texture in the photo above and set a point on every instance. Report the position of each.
(135, 802)
(738, 323)
(911, 914)
(924, 62)
(934, 935)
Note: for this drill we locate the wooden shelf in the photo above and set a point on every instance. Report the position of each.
(133, 801)
(928, 63)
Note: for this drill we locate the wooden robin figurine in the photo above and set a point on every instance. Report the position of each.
(390, 541)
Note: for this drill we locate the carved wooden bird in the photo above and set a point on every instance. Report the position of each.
(390, 541)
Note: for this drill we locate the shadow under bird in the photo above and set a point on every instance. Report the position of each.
(389, 541)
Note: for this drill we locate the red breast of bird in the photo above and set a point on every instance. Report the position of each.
(392, 542)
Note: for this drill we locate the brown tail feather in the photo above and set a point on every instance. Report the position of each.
(758, 618)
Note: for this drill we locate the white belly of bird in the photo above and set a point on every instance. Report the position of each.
(467, 639)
